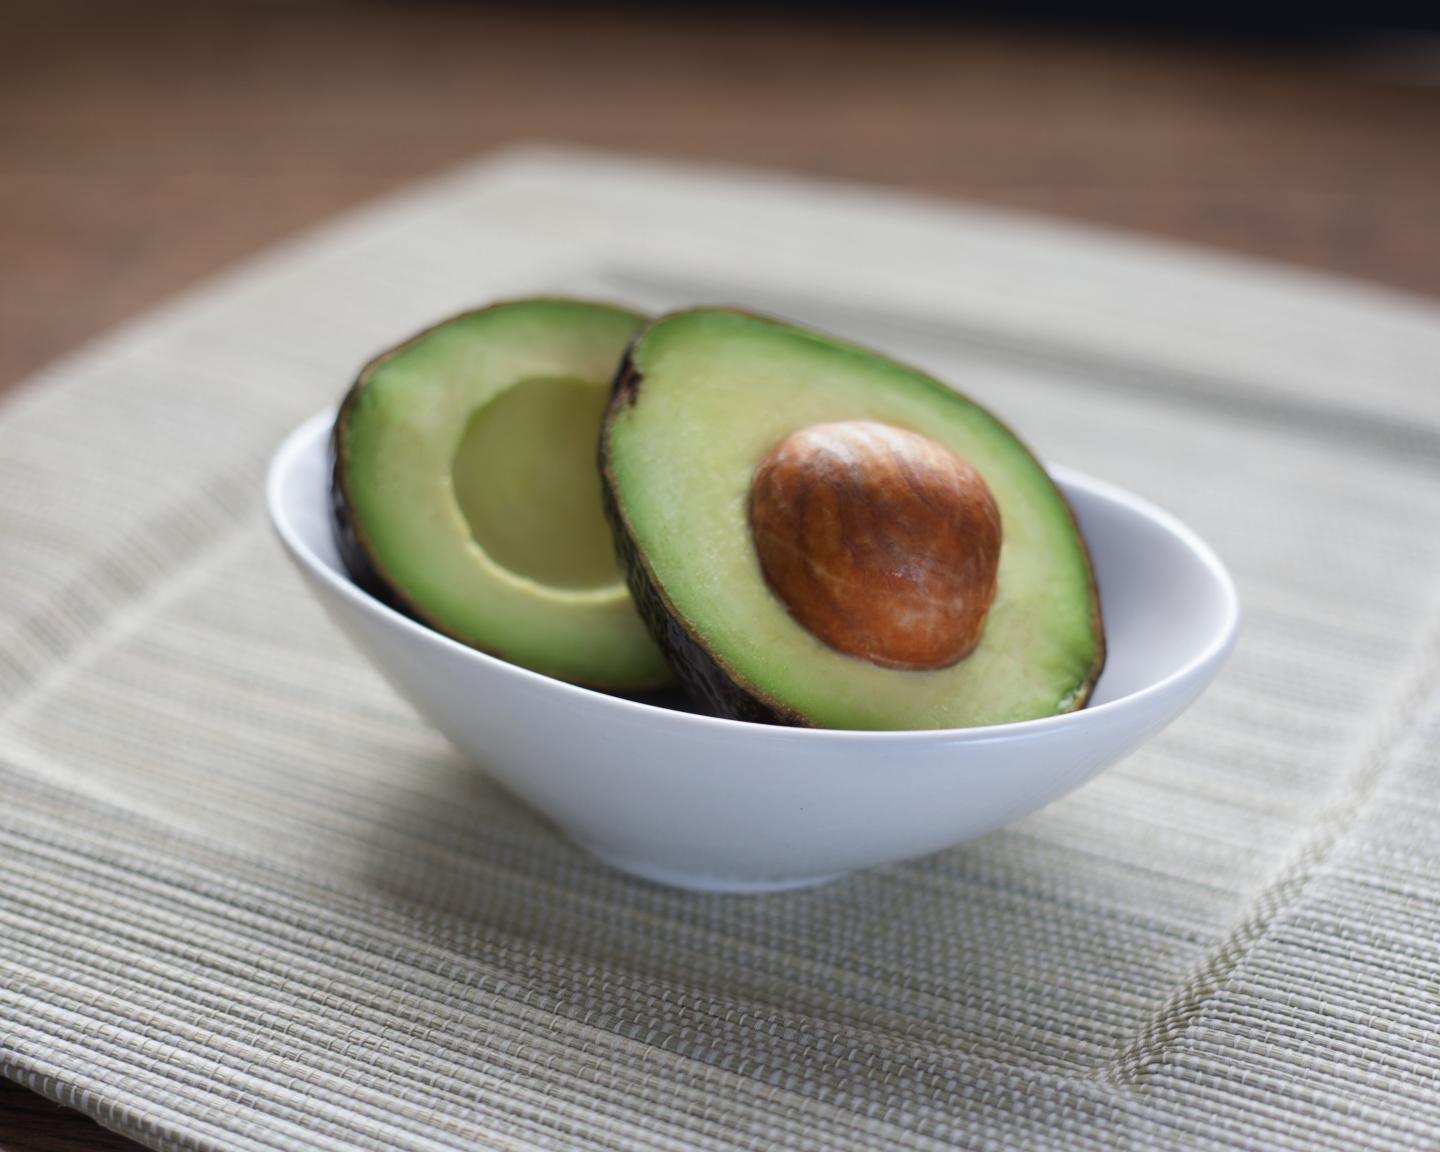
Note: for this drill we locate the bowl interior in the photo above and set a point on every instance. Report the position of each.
(1167, 601)
(299, 493)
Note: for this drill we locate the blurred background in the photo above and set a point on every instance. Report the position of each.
(144, 146)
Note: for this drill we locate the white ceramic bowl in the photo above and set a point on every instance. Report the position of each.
(704, 803)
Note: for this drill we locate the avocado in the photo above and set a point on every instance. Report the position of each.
(819, 536)
(465, 491)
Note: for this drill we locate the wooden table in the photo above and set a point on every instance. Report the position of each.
(144, 147)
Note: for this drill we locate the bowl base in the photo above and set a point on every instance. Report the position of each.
(699, 882)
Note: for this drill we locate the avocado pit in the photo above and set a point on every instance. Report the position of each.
(882, 543)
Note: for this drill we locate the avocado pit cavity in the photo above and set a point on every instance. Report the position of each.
(882, 543)
(524, 478)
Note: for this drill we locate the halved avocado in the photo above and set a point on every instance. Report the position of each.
(465, 491)
(705, 404)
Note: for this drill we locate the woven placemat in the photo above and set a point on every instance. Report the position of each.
(248, 901)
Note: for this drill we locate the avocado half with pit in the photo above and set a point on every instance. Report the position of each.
(465, 491)
(819, 536)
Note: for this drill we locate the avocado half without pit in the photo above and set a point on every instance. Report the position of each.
(465, 491)
(819, 536)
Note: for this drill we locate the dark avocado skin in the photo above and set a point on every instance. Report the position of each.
(342, 525)
(349, 541)
(701, 675)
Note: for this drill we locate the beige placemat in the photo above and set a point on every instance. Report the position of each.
(248, 901)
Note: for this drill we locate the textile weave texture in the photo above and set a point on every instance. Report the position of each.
(249, 901)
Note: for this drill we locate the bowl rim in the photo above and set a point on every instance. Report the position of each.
(316, 427)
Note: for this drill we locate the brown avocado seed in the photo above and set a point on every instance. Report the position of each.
(882, 543)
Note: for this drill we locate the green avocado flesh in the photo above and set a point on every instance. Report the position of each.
(705, 396)
(465, 466)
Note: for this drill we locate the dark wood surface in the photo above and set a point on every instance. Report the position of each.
(146, 146)
(31, 1123)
